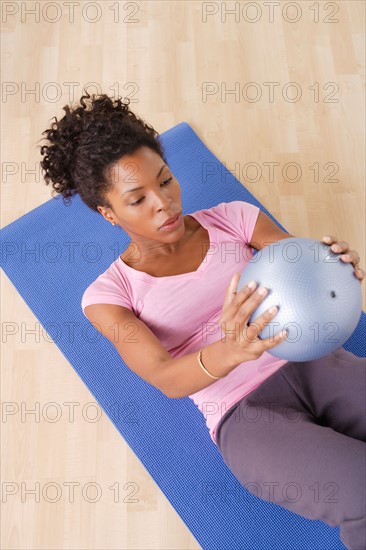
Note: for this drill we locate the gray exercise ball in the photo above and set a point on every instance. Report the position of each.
(318, 296)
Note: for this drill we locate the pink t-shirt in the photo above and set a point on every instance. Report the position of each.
(183, 311)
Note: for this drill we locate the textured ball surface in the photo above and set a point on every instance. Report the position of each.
(318, 296)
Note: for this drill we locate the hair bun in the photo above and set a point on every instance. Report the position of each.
(87, 140)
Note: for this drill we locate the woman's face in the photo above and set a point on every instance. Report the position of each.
(144, 195)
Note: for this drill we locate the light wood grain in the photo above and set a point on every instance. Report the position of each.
(163, 61)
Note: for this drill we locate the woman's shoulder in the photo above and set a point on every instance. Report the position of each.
(234, 218)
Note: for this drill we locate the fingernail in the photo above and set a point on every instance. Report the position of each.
(252, 284)
(262, 290)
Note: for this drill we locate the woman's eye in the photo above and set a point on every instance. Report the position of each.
(140, 200)
(136, 203)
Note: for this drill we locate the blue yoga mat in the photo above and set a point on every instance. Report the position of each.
(51, 255)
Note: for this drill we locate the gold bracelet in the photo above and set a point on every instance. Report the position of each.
(206, 371)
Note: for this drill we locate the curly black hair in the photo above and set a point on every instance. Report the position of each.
(85, 143)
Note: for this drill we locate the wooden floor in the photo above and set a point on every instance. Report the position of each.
(281, 102)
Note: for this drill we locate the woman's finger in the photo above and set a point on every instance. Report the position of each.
(352, 257)
(329, 239)
(359, 273)
(231, 289)
(339, 247)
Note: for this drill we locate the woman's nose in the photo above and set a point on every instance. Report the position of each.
(162, 200)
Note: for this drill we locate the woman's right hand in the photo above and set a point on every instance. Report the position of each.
(242, 338)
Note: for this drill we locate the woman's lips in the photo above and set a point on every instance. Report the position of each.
(173, 225)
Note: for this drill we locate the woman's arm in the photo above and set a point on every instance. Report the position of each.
(266, 232)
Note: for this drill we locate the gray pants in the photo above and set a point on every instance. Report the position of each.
(299, 440)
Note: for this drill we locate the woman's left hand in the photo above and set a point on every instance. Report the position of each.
(348, 256)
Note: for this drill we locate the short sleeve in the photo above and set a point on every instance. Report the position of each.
(240, 218)
(106, 290)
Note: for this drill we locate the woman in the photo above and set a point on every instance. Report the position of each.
(292, 433)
